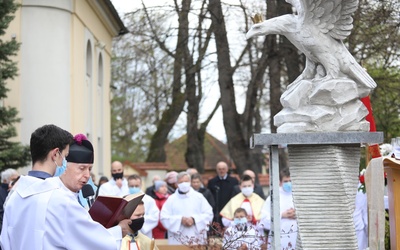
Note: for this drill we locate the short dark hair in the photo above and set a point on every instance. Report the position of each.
(103, 179)
(196, 176)
(284, 173)
(240, 210)
(47, 138)
(135, 177)
(246, 178)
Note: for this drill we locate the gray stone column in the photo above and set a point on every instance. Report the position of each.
(325, 179)
(324, 172)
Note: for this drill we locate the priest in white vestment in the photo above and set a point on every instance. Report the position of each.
(47, 215)
(186, 214)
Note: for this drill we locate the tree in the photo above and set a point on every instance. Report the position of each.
(192, 63)
(257, 71)
(265, 60)
(374, 43)
(385, 101)
(374, 38)
(153, 32)
(142, 91)
(12, 154)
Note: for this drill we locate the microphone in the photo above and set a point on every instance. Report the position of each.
(88, 194)
(216, 188)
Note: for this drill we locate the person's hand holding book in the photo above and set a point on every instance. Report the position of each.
(124, 224)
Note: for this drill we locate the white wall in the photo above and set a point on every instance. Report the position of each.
(45, 68)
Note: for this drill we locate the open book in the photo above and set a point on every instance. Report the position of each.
(110, 210)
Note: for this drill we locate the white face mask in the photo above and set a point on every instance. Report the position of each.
(184, 187)
(247, 191)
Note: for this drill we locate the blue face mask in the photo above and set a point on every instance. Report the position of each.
(240, 221)
(134, 190)
(61, 169)
(287, 187)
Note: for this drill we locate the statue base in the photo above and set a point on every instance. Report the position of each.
(325, 179)
(321, 105)
(324, 170)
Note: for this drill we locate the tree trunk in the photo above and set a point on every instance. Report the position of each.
(171, 114)
(251, 119)
(238, 146)
(194, 155)
(274, 69)
(289, 52)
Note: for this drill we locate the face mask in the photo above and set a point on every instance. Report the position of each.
(134, 190)
(287, 187)
(118, 176)
(61, 169)
(240, 221)
(247, 191)
(184, 187)
(137, 224)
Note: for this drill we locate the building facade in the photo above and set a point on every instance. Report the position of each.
(65, 69)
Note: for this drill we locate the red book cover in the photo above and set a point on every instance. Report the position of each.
(110, 210)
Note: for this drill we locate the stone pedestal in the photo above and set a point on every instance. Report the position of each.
(324, 179)
(324, 172)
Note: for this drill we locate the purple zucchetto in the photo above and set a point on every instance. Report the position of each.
(81, 150)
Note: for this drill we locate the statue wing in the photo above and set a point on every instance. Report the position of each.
(332, 17)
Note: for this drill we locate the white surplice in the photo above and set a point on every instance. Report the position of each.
(192, 204)
(44, 214)
(360, 217)
(236, 236)
(111, 188)
(288, 226)
(151, 216)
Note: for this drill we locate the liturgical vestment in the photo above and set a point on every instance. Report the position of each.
(192, 204)
(255, 201)
(288, 226)
(44, 214)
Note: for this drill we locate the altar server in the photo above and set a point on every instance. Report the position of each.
(246, 199)
(47, 215)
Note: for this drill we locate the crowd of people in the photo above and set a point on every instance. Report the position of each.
(46, 209)
(180, 208)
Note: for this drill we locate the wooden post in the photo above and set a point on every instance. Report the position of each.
(392, 168)
(374, 180)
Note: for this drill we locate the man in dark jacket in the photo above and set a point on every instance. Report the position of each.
(221, 186)
(197, 185)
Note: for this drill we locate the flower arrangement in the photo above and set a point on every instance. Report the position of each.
(385, 149)
(362, 181)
